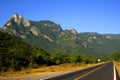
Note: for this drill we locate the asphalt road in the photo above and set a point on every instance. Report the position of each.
(100, 72)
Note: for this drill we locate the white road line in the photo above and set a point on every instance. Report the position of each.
(114, 70)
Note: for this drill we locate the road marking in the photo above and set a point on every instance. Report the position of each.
(89, 72)
(114, 70)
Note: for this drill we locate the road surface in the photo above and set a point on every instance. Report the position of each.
(104, 71)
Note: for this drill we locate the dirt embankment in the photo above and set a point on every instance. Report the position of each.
(117, 64)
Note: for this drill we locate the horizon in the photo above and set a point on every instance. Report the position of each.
(100, 16)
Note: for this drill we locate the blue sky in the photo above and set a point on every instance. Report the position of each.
(101, 16)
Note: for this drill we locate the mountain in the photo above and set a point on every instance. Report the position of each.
(52, 38)
(99, 43)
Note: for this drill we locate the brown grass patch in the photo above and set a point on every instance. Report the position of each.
(117, 64)
(45, 70)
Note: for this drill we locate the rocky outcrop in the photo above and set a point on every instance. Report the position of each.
(35, 31)
(19, 19)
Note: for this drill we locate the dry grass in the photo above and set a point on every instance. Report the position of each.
(117, 64)
(46, 70)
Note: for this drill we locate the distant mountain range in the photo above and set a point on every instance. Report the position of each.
(52, 38)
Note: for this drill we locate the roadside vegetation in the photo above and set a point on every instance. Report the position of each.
(15, 55)
(115, 56)
(44, 70)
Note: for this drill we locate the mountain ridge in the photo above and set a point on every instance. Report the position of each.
(51, 37)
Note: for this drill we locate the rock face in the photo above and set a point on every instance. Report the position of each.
(19, 19)
(34, 30)
(16, 25)
(51, 37)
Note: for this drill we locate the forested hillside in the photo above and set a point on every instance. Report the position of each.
(15, 54)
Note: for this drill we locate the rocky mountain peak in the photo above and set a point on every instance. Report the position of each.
(19, 16)
(19, 19)
(73, 31)
(16, 25)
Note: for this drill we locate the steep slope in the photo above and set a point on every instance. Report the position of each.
(16, 54)
(52, 38)
(43, 34)
(38, 33)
